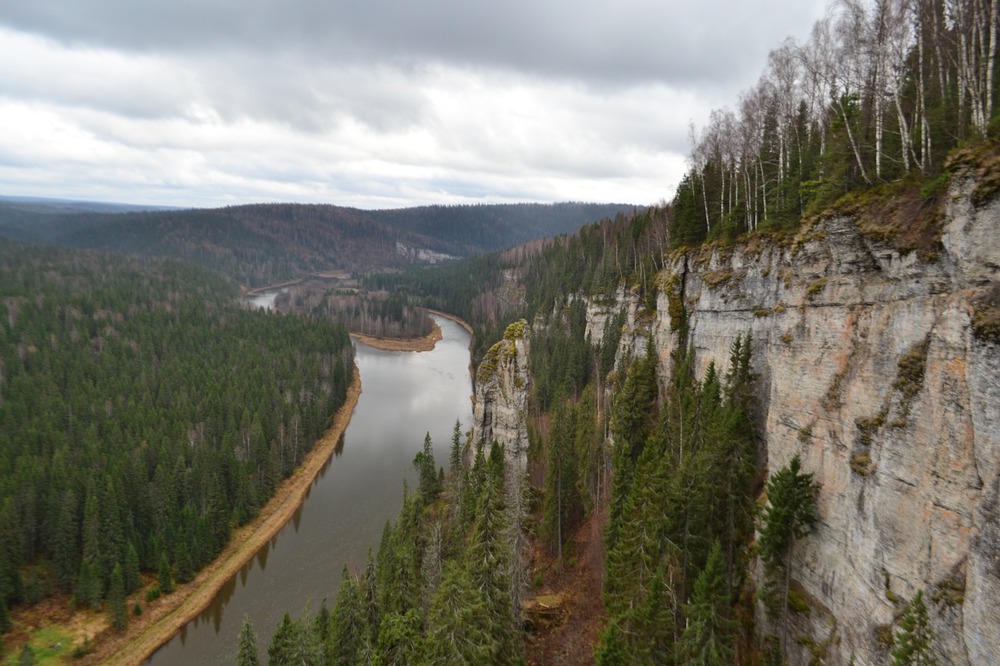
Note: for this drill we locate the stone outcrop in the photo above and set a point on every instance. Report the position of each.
(870, 369)
(501, 395)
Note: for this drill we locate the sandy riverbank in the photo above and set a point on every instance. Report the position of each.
(425, 343)
(162, 619)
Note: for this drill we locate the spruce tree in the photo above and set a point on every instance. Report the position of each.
(790, 515)
(458, 623)
(915, 638)
(399, 640)
(247, 653)
(164, 578)
(131, 571)
(349, 631)
(117, 611)
(708, 638)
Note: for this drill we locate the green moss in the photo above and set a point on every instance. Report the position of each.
(797, 601)
(715, 279)
(909, 381)
(787, 338)
(892, 597)
(806, 433)
(675, 302)
(884, 636)
(815, 288)
(515, 331)
(868, 426)
(950, 592)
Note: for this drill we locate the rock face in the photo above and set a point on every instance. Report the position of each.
(869, 368)
(502, 396)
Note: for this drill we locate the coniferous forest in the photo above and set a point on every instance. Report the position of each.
(872, 108)
(145, 414)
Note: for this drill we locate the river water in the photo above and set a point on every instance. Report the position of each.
(404, 395)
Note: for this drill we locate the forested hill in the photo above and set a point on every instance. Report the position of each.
(265, 243)
(143, 414)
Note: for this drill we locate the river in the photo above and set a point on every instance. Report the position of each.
(404, 395)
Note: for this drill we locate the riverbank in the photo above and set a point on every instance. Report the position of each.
(425, 343)
(163, 618)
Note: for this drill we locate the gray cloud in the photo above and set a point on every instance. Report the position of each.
(631, 41)
(382, 103)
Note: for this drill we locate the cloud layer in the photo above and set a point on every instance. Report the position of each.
(378, 104)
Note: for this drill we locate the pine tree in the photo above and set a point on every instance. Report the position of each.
(915, 638)
(247, 654)
(708, 638)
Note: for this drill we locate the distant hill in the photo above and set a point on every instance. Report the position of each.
(38, 218)
(264, 243)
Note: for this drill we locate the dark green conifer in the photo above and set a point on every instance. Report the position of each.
(914, 638)
(117, 611)
(247, 653)
(708, 638)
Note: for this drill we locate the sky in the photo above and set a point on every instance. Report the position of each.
(370, 103)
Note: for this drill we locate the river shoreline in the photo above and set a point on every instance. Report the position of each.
(163, 618)
(423, 344)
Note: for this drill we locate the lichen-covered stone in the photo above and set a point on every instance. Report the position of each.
(501, 395)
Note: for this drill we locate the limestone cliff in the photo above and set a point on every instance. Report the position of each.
(501, 395)
(870, 368)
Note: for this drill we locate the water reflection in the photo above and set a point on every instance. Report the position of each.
(404, 395)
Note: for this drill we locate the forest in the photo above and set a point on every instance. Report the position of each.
(881, 92)
(144, 413)
(875, 106)
(262, 244)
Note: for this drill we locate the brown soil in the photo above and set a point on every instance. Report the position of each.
(569, 609)
(163, 618)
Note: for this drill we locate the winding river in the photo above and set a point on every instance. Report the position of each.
(404, 396)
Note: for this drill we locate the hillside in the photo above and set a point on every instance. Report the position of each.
(265, 243)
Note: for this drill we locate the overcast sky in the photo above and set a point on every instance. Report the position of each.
(370, 103)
